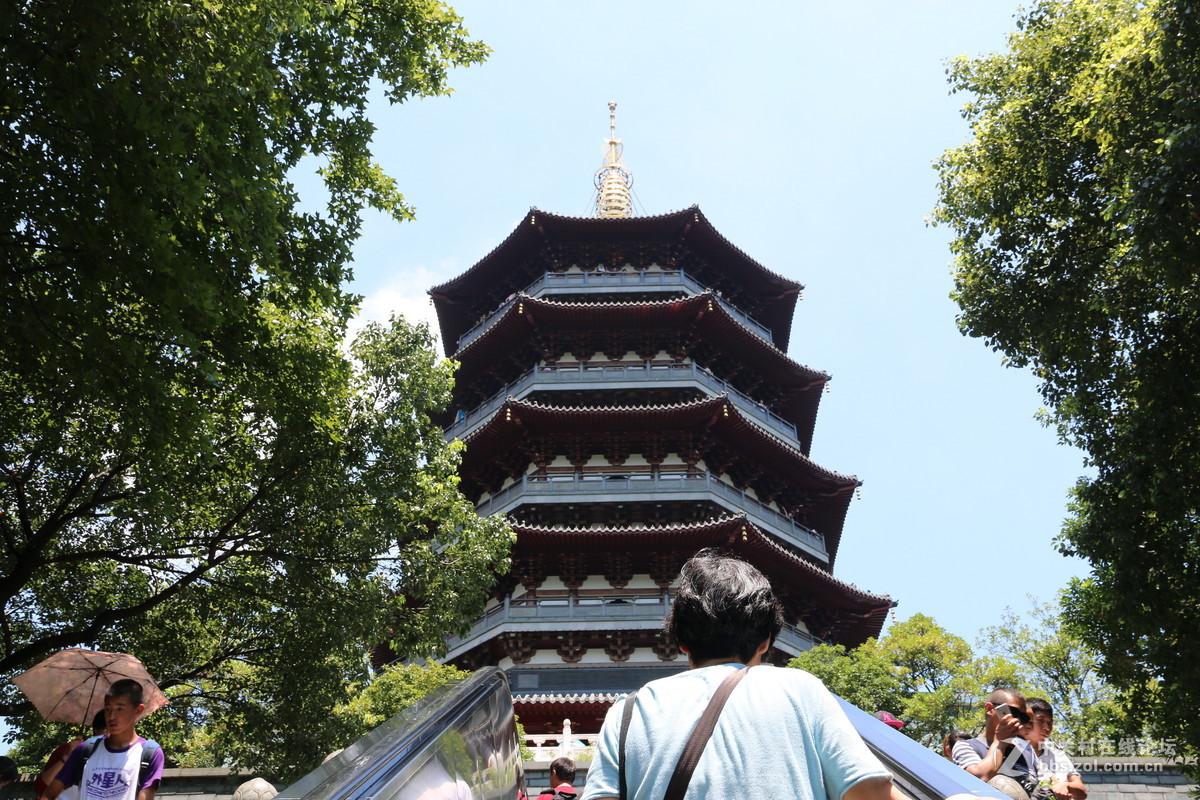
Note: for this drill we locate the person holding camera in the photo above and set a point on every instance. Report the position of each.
(997, 757)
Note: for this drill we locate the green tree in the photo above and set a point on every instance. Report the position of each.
(943, 680)
(1075, 214)
(192, 468)
(865, 676)
(391, 691)
(1056, 664)
(919, 671)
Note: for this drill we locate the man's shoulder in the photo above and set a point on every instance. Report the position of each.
(787, 676)
(564, 790)
(969, 751)
(140, 748)
(64, 750)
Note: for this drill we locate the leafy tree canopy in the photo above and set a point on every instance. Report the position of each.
(936, 683)
(192, 467)
(1077, 229)
(393, 690)
(918, 671)
(1054, 663)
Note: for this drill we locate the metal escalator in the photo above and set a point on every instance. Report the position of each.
(460, 743)
(457, 743)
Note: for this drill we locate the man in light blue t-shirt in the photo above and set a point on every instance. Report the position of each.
(780, 726)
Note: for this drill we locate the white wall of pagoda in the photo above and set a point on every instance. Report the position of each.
(570, 359)
(642, 656)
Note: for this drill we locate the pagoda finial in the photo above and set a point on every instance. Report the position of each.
(613, 180)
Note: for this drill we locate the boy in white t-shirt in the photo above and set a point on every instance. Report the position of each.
(1053, 765)
(111, 768)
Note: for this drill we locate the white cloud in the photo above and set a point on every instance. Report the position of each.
(406, 295)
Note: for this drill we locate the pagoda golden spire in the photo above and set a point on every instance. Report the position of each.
(613, 180)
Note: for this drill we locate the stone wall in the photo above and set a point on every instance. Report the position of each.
(1132, 778)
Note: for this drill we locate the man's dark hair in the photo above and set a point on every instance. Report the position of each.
(724, 607)
(126, 687)
(953, 738)
(8, 769)
(99, 722)
(1036, 705)
(564, 768)
(1005, 694)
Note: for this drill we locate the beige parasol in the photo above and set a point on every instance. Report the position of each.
(69, 686)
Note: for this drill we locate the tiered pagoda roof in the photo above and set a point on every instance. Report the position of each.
(854, 614)
(547, 242)
(625, 397)
(713, 427)
(532, 325)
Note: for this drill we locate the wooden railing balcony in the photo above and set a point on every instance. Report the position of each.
(552, 283)
(632, 376)
(610, 488)
(578, 613)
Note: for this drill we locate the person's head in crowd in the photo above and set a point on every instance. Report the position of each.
(1000, 699)
(1041, 716)
(122, 706)
(8, 770)
(952, 738)
(562, 770)
(99, 723)
(724, 609)
(127, 688)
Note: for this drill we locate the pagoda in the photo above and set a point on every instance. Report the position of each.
(625, 397)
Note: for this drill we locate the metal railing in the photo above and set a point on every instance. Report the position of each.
(570, 609)
(557, 282)
(599, 487)
(634, 374)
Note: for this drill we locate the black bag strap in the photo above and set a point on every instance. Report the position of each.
(700, 736)
(626, 716)
(89, 747)
(147, 758)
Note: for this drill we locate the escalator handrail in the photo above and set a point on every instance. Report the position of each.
(359, 771)
(916, 768)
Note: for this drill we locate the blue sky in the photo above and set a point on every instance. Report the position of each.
(806, 133)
